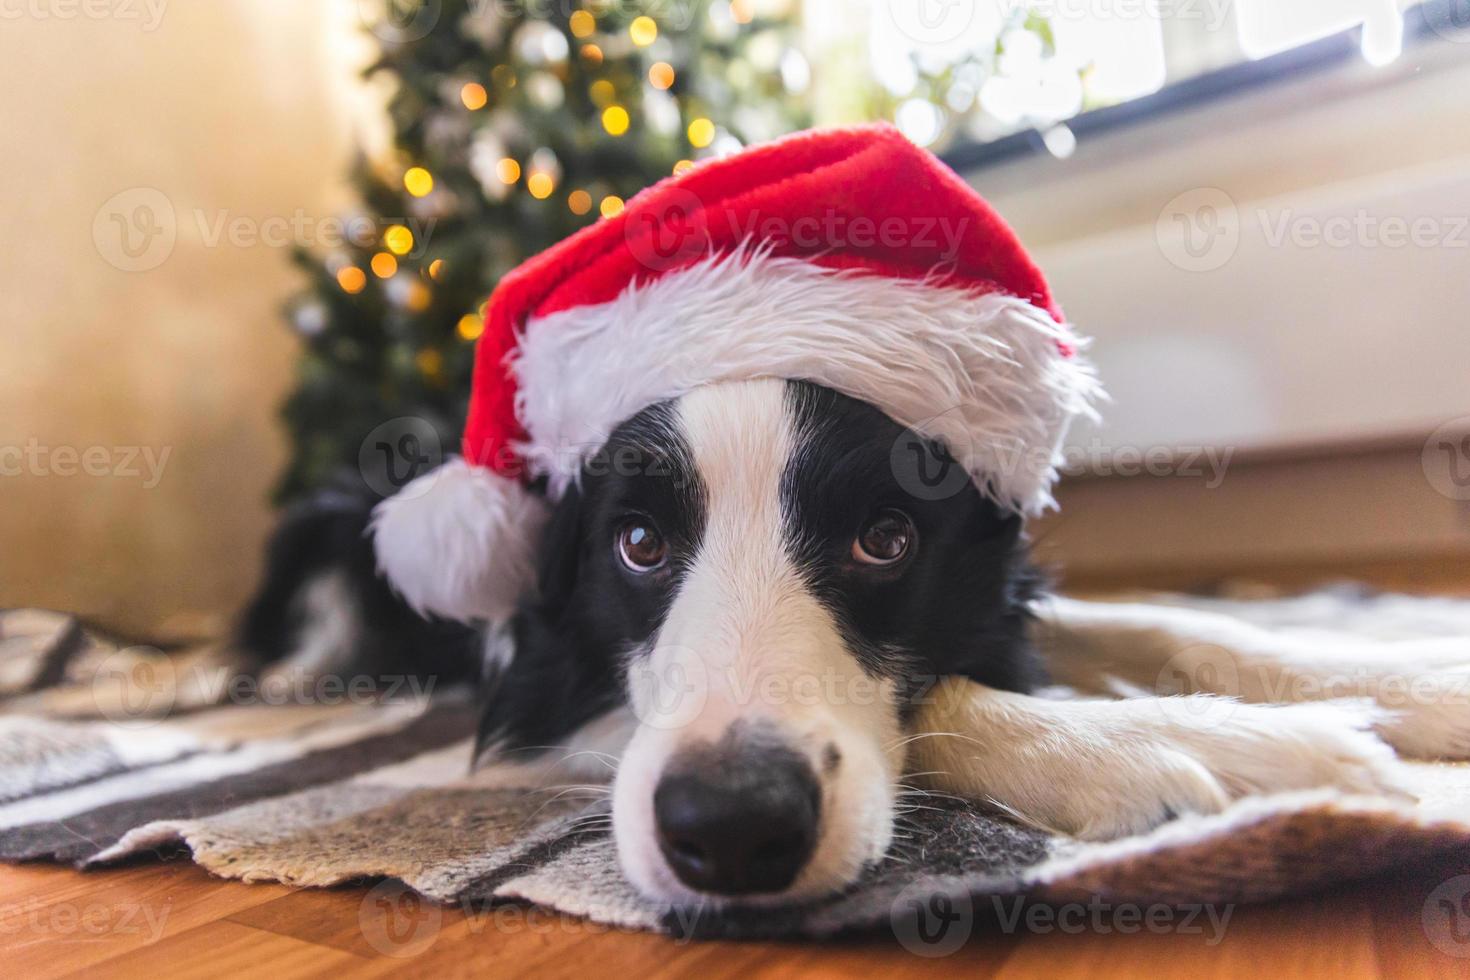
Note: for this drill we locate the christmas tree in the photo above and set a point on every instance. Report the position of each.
(515, 125)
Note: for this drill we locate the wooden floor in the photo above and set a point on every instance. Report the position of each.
(174, 920)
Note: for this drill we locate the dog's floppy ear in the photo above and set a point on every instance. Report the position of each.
(554, 678)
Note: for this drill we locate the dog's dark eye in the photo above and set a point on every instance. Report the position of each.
(641, 547)
(886, 540)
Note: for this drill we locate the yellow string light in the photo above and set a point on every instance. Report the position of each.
(592, 54)
(398, 239)
(470, 327)
(582, 24)
(540, 184)
(611, 206)
(508, 170)
(579, 201)
(661, 75)
(643, 31)
(683, 166)
(474, 96)
(384, 265)
(615, 120)
(436, 269)
(351, 279)
(418, 181)
(701, 133)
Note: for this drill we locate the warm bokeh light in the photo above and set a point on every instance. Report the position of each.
(683, 166)
(611, 206)
(398, 239)
(417, 299)
(384, 265)
(615, 120)
(740, 11)
(430, 363)
(661, 75)
(470, 327)
(474, 96)
(592, 54)
(418, 181)
(508, 170)
(540, 184)
(602, 92)
(701, 133)
(436, 269)
(579, 201)
(351, 279)
(643, 31)
(582, 24)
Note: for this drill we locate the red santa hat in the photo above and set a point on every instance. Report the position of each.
(846, 257)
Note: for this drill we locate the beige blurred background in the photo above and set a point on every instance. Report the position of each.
(237, 108)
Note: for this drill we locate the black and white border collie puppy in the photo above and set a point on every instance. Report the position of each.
(744, 570)
(746, 603)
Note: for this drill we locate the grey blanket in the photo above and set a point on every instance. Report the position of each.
(109, 752)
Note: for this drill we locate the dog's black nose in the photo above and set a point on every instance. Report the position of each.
(738, 822)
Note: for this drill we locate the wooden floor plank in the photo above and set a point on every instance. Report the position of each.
(72, 920)
(227, 949)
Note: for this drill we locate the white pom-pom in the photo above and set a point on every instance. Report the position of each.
(460, 542)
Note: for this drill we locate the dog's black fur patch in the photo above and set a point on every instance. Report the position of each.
(571, 641)
(958, 605)
(327, 533)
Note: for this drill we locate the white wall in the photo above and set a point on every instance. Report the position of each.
(1270, 344)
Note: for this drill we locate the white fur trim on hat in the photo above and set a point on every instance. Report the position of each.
(982, 372)
(460, 542)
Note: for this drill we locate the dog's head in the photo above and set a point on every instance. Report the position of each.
(749, 569)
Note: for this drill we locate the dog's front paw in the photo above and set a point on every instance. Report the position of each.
(1428, 716)
(1105, 769)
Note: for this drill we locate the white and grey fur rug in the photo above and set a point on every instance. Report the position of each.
(108, 753)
